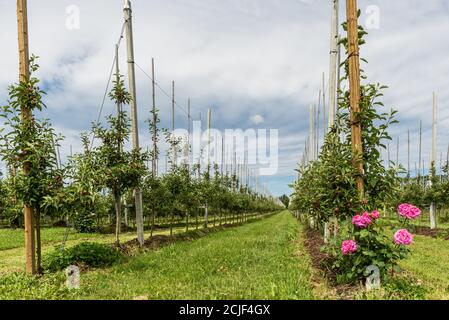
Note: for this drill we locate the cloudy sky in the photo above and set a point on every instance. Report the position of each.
(256, 63)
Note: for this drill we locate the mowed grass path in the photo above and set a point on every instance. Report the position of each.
(259, 260)
(12, 252)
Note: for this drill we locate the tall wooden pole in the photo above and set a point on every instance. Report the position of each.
(354, 92)
(333, 64)
(133, 105)
(24, 76)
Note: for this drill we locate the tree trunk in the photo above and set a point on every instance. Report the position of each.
(126, 213)
(153, 213)
(206, 216)
(38, 241)
(171, 222)
(196, 220)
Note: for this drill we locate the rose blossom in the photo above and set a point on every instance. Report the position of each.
(362, 221)
(348, 247)
(403, 237)
(375, 214)
(409, 211)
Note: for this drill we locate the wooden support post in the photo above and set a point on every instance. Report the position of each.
(24, 76)
(354, 92)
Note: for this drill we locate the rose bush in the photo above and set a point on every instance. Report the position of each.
(367, 243)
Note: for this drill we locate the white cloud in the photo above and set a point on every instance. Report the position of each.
(257, 119)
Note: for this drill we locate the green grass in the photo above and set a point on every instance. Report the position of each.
(14, 238)
(264, 259)
(259, 260)
(254, 261)
(429, 262)
(12, 254)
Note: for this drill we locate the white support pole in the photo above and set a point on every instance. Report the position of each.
(133, 105)
(323, 92)
(388, 154)
(189, 134)
(433, 211)
(420, 149)
(311, 145)
(333, 64)
(209, 119)
(397, 153)
(154, 137)
(174, 155)
(408, 153)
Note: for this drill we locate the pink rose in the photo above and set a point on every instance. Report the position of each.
(403, 237)
(348, 247)
(375, 214)
(409, 211)
(362, 221)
